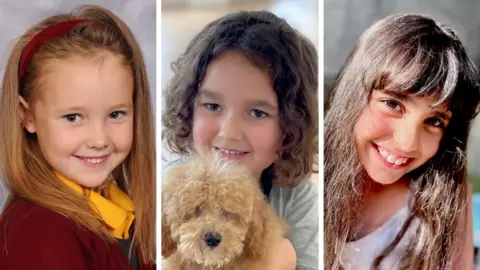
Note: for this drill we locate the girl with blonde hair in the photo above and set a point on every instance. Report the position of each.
(77, 147)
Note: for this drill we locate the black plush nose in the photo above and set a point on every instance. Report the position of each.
(212, 239)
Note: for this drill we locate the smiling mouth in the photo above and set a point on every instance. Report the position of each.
(229, 154)
(94, 161)
(391, 160)
(229, 151)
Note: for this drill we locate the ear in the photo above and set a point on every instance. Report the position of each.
(26, 116)
(259, 232)
(168, 245)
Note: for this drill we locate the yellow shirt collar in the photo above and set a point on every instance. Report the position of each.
(117, 213)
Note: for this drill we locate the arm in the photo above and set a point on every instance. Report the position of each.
(285, 257)
(464, 245)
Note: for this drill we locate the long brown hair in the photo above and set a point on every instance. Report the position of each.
(414, 55)
(26, 172)
(291, 61)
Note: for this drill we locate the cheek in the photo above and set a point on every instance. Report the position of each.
(204, 130)
(54, 137)
(266, 138)
(430, 144)
(371, 125)
(122, 136)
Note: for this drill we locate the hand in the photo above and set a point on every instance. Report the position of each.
(284, 256)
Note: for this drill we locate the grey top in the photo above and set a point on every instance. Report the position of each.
(298, 206)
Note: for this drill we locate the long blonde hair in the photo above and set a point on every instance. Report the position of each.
(26, 172)
(414, 55)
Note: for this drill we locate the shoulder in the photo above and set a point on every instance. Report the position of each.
(302, 197)
(29, 218)
(23, 209)
(43, 236)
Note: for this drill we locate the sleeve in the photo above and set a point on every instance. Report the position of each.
(42, 245)
(302, 216)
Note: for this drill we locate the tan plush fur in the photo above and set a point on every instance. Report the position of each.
(210, 196)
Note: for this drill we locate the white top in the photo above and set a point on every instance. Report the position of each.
(360, 254)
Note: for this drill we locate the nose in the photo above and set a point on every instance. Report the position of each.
(98, 136)
(231, 128)
(407, 136)
(212, 239)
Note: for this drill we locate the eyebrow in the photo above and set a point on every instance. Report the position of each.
(263, 104)
(123, 105)
(81, 108)
(402, 97)
(210, 94)
(442, 115)
(72, 108)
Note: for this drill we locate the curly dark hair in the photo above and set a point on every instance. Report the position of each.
(291, 60)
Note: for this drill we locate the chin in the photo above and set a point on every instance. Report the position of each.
(90, 184)
(383, 179)
(91, 181)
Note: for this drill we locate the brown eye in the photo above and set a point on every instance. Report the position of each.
(72, 118)
(393, 104)
(213, 106)
(435, 122)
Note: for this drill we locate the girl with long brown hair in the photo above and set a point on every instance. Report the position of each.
(396, 193)
(246, 90)
(77, 147)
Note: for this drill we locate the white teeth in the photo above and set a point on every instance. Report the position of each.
(94, 160)
(391, 158)
(230, 152)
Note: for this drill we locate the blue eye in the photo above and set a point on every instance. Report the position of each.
(117, 115)
(72, 118)
(259, 114)
(212, 106)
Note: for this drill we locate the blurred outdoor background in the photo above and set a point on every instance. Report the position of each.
(19, 15)
(183, 19)
(345, 20)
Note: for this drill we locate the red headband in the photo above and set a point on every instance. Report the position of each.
(40, 38)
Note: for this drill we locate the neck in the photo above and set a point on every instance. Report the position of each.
(373, 189)
(378, 204)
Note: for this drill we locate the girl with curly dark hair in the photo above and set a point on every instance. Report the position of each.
(246, 90)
